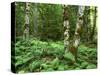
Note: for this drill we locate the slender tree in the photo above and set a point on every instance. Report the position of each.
(73, 46)
(66, 28)
(86, 23)
(77, 35)
(35, 19)
(26, 30)
(94, 24)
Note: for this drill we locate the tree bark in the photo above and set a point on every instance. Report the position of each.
(86, 23)
(35, 19)
(26, 30)
(78, 31)
(94, 24)
(66, 28)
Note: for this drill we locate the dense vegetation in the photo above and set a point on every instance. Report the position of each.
(43, 50)
(35, 56)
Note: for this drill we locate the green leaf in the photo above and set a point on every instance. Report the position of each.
(45, 66)
(69, 56)
(55, 62)
(18, 63)
(91, 66)
(84, 64)
(50, 69)
(61, 67)
(34, 65)
(18, 43)
(22, 47)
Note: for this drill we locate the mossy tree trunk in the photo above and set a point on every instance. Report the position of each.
(35, 20)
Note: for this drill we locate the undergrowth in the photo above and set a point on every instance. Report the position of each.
(35, 55)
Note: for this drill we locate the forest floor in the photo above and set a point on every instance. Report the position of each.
(42, 56)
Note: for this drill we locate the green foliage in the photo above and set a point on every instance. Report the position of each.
(43, 21)
(46, 66)
(91, 53)
(49, 56)
(91, 66)
(61, 68)
(69, 56)
(34, 65)
(44, 50)
(84, 64)
(55, 63)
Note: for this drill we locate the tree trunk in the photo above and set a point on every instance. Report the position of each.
(86, 23)
(66, 28)
(94, 24)
(78, 31)
(35, 19)
(26, 30)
